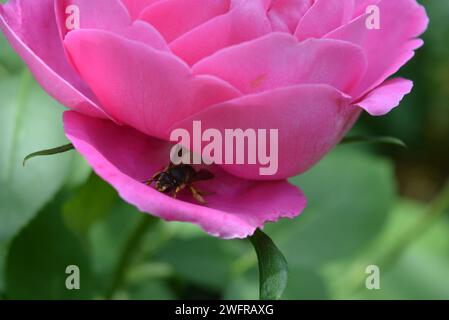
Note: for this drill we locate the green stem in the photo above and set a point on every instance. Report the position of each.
(128, 252)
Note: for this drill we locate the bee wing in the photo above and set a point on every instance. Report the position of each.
(202, 175)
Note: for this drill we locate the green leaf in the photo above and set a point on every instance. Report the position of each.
(273, 271)
(49, 152)
(421, 270)
(210, 255)
(113, 228)
(383, 140)
(29, 120)
(10, 63)
(150, 290)
(3, 253)
(303, 284)
(90, 203)
(38, 259)
(349, 196)
(80, 172)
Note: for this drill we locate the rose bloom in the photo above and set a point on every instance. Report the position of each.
(135, 70)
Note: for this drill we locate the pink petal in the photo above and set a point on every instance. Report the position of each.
(392, 46)
(286, 14)
(175, 17)
(387, 96)
(110, 15)
(310, 119)
(323, 17)
(99, 14)
(124, 158)
(278, 60)
(244, 22)
(147, 34)
(135, 7)
(139, 86)
(31, 29)
(360, 6)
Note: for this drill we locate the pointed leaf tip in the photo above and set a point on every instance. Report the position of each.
(382, 139)
(49, 152)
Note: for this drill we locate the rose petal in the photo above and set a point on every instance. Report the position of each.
(175, 17)
(147, 34)
(139, 86)
(124, 158)
(286, 14)
(360, 6)
(34, 35)
(278, 60)
(386, 97)
(390, 47)
(245, 21)
(110, 15)
(310, 119)
(135, 7)
(323, 17)
(99, 14)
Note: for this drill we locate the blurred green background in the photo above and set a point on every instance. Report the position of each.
(368, 205)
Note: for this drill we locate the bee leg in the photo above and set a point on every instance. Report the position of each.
(205, 193)
(156, 175)
(177, 191)
(197, 195)
(153, 178)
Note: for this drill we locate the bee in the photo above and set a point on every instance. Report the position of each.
(175, 178)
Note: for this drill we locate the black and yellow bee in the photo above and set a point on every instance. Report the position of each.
(175, 178)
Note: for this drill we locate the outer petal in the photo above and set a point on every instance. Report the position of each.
(173, 18)
(139, 86)
(278, 60)
(124, 158)
(245, 21)
(310, 119)
(392, 46)
(31, 29)
(323, 17)
(386, 97)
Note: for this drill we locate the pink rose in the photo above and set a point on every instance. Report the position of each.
(136, 69)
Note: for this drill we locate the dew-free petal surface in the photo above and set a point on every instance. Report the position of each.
(124, 158)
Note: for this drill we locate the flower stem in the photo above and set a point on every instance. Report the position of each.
(128, 252)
